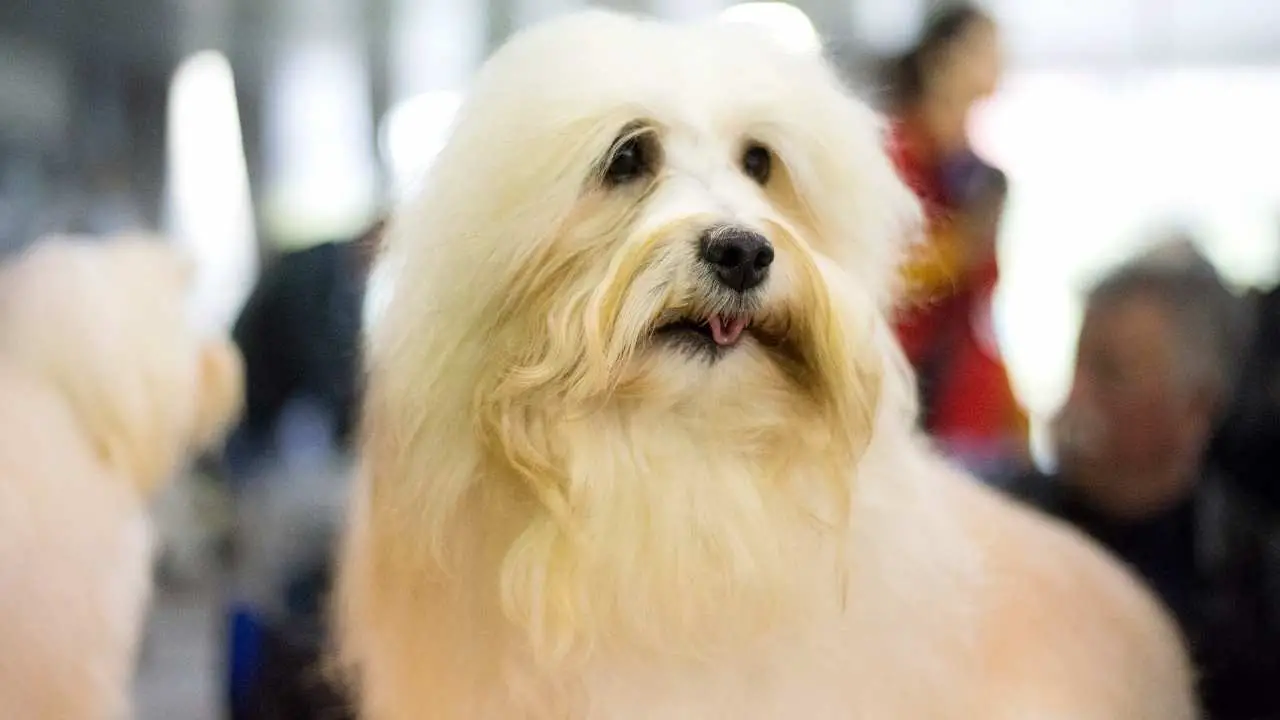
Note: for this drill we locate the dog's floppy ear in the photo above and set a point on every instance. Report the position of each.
(220, 395)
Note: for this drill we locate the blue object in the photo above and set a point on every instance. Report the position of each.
(245, 631)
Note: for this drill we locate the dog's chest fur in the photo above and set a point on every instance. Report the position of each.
(837, 677)
(895, 646)
(895, 667)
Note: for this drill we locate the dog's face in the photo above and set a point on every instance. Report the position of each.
(671, 244)
(633, 208)
(690, 265)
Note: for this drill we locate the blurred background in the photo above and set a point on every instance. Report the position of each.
(256, 131)
(245, 127)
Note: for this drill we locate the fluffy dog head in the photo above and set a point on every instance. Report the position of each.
(106, 324)
(636, 342)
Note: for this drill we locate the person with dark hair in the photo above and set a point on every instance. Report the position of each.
(932, 88)
(1248, 443)
(967, 402)
(1155, 369)
(299, 333)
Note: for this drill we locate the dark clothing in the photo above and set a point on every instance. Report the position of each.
(1247, 445)
(1214, 560)
(292, 681)
(300, 336)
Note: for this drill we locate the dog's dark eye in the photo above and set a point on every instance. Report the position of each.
(632, 158)
(757, 162)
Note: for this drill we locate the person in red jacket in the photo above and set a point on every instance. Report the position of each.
(945, 324)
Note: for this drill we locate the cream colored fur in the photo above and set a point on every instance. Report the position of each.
(562, 516)
(105, 389)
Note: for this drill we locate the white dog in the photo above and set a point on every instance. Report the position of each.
(105, 388)
(639, 441)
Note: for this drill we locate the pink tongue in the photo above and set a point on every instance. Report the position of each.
(726, 332)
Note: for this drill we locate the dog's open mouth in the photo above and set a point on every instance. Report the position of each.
(717, 331)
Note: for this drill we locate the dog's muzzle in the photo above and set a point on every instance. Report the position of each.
(739, 257)
(734, 263)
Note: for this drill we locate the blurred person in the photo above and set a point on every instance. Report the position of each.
(107, 389)
(1154, 370)
(945, 325)
(300, 333)
(1248, 444)
(956, 63)
(287, 523)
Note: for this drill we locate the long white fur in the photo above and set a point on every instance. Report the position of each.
(560, 518)
(105, 389)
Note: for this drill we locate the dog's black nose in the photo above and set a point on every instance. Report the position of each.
(741, 257)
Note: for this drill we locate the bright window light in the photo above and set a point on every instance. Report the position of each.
(413, 133)
(1099, 168)
(321, 169)
(887, 27)
(785, 22)
(208, 208)
(435, 44)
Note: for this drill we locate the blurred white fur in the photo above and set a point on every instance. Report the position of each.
(561, 515)
(106, 389)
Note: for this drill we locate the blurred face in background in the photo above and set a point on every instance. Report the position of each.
(969, 67)
(1133, 428)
